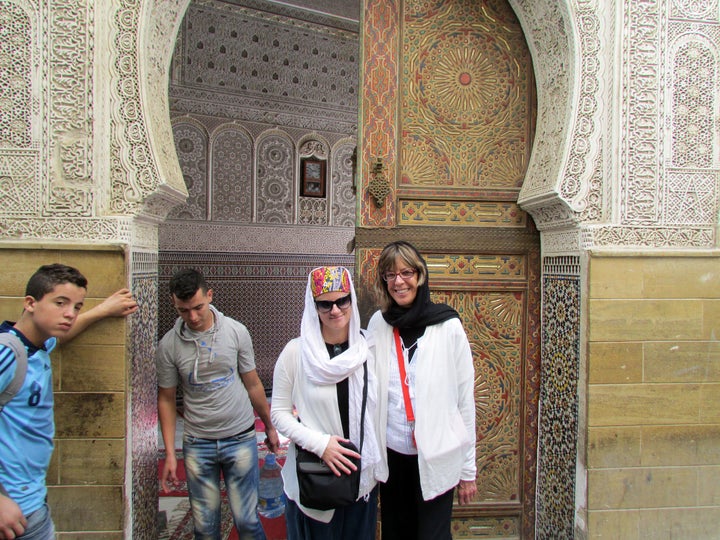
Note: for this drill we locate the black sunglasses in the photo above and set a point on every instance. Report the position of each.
(325, 306)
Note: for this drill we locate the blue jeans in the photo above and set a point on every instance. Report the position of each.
(40, 525)
(237, 458)
(357, 521)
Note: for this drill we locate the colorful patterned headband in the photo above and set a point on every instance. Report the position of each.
(329, 279)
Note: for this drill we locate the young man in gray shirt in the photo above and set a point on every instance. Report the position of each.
(211, 356)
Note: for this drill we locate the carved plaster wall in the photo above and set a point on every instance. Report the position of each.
(77, 156)
(70, 177)
(85, 158)
(656, 184)
(256, 88)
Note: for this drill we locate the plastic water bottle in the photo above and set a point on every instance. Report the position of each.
(271, 500)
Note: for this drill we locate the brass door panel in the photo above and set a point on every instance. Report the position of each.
(447, 115)
(497, 298)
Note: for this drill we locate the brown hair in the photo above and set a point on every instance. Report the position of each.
(410, 255)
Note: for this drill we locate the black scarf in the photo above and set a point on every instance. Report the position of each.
(423, 312)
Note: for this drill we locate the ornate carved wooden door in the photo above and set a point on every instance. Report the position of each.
(447, 111)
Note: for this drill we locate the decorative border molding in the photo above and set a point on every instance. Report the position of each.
(647, 237)
(556, 243)
(61, 229)
(217, 238)
(301, 16)
(184, 100)
(460, 213)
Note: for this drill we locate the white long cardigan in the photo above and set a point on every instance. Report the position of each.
(320, 418)
(444, 402)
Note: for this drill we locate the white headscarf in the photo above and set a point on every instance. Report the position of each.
(321, 369)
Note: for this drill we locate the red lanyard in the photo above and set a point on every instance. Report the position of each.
(403, 383)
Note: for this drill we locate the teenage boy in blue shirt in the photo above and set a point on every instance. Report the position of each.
(54, 296)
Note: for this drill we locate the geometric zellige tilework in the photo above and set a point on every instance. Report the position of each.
(558, 444)
(143, 407)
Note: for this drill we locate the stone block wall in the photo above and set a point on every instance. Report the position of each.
(653, 396)
(87, 473)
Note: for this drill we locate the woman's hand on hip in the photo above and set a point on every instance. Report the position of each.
(337, 456)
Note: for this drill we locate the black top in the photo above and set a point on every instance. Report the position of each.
(343, 394)
(409, 338)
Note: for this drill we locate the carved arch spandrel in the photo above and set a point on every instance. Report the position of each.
(143, 162)
(547, 32)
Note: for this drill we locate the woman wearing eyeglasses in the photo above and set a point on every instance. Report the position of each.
(424, 364)
(317, 403)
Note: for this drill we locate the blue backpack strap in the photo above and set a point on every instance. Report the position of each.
(11, 341)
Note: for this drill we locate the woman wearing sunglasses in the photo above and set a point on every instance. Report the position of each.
(317, 398)
(425, 370)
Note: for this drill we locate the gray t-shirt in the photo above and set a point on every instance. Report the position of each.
(207, 366)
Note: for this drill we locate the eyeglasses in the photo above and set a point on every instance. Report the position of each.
(325, 306)
(404, 275)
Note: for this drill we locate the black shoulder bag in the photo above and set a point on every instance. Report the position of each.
(319, 487)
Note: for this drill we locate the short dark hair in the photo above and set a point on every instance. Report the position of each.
(185, 283)
(49, 276)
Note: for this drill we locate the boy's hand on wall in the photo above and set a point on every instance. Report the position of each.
(119, 304)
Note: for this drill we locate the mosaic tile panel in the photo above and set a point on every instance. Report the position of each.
(143, 398)
(265, 292)
(275, 195)
(232, 192)
(191, 146)
(558, 452)
(343, 184)
(307, 60)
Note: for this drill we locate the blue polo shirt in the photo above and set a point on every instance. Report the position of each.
(27, 425)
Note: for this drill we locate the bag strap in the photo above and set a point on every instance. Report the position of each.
(403, 378)
(364, 402)
(404, 382)
(11, 341)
